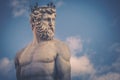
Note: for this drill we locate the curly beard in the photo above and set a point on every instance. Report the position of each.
(44, 32)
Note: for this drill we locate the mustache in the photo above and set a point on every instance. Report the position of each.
(43, 28)
(45, 33)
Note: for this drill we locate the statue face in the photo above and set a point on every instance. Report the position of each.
(45, 26)
(49, 21)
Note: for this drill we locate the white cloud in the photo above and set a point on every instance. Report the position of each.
(19, 12)
(115, 47)
(59, 3)
(15, 3)
(6, 67)
(116, 65)
(20, 7)
(108, 76)
(75, 44)
(110, 72)
(81, 65)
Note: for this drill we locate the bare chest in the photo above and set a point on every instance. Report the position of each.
(42, 53)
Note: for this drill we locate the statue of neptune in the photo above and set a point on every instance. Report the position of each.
(45, 58)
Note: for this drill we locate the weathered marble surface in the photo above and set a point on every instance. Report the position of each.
(45, 58)
(44, 61)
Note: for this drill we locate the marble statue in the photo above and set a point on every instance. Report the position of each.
(45, 58)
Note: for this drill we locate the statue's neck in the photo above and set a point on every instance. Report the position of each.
(36, 40)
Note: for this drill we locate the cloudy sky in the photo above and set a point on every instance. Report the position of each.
(91, 28)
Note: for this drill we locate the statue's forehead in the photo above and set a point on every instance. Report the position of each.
(46, 15)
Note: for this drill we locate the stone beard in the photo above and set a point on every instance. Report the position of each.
(44, 23)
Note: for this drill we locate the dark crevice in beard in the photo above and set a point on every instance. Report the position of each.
(44, 33)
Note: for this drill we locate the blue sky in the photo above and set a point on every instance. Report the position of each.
(90, 27)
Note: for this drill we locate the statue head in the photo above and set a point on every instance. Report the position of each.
(43, 21)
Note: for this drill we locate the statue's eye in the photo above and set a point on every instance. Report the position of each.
(48, 19)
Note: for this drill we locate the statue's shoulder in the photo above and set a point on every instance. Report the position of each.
(63, 49)
(60, 43)
(18, 54)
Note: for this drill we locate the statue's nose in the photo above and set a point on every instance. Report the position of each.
(50, 22)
